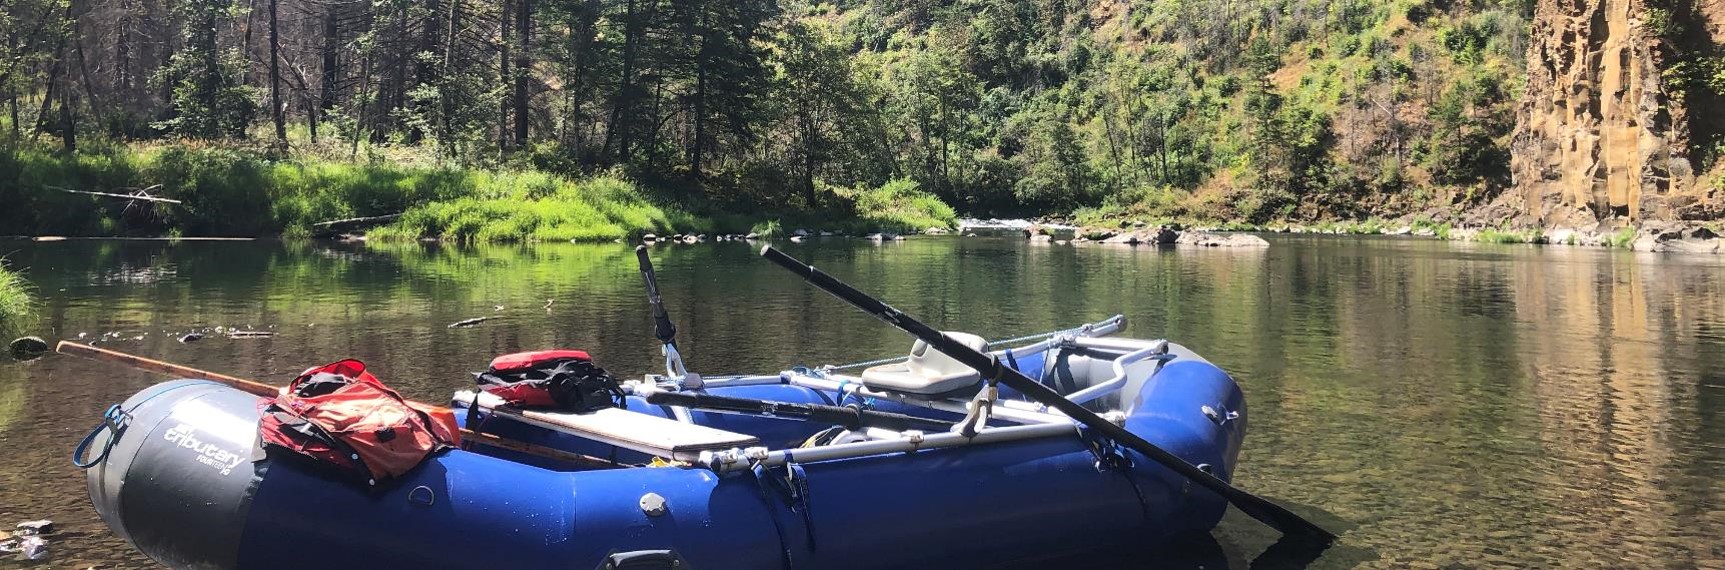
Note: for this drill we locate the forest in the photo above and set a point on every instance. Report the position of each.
(1225, 110)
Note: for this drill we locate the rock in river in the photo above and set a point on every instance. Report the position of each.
(1207, 239)
(29, 347)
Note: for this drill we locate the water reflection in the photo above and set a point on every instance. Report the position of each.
(1443, 405)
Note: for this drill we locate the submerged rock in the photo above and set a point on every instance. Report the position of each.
(43, 526)
(31, 547)
(1096, 234)
(1207, 239)
(29, 348)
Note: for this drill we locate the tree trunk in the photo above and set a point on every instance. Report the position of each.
(447, 91)
(523, 67)
(276, 110)
(622, 110)
(424, 73)
(246, 44)
(327, 73)
(123, 51)
(701, 54)
(68, 121)
(808, 158)
(504, 75)
(704, 52)
(84, 72)
(209, 83)
(48, 98)
(361, 102)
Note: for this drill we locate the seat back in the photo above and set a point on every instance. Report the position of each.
(928, 371)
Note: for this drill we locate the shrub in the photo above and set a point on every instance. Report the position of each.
(17, 308)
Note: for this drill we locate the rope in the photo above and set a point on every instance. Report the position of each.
(114, 420)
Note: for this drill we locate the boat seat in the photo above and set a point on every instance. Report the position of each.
(635, 431)
(928, 372)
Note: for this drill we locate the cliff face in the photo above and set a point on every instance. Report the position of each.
(1600, 132)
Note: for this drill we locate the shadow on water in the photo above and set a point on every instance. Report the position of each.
(1238, 543)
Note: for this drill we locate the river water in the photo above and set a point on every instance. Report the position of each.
(1437, 404)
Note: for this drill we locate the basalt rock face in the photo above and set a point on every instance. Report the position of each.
(1599, 133)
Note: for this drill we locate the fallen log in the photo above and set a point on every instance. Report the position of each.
(469, 322)
(141, 194)
(362, 220)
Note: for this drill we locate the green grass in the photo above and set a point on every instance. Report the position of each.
(1622, 238)
(1489, 235)
(236, 191)
(533, 206)
(768, 229)
(899, 205)
(1439, 230)
(223, 191)
(17, 309)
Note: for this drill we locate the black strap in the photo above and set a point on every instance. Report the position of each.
(761, 475)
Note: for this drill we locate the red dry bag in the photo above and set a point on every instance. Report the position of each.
(342, 415)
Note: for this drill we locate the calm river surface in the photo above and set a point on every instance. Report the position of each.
(1437, 404)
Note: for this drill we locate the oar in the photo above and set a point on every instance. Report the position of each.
(268, 391)
(1259, 508)
(662, 327)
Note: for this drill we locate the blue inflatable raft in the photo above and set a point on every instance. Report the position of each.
(656, 486)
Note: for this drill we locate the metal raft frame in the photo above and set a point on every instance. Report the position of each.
(679, 439)
(1035, 420)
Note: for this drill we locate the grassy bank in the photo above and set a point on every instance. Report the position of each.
(534, 206)
(239, 192)
(16, 307)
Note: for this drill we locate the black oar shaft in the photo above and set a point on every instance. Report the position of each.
(851, 418)
(662, 327)
(1259, 508)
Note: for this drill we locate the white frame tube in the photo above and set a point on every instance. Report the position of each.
(740, 459)
(1103, 388)
(854, 385)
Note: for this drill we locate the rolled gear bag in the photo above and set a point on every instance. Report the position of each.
(564, 380)
(341, 415)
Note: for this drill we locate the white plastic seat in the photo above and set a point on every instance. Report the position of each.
(928, 372)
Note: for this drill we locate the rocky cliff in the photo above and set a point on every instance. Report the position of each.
(1605, 129)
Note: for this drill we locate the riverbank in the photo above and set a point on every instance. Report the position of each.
(183, 190)
(1651, 236)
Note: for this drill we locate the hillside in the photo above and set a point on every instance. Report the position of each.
(1214, 109)
(1481, 112)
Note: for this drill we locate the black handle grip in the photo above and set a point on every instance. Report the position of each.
(662, 327)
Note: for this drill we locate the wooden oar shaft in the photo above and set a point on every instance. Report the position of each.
(268, 391)
(171, 369)
(164, 368)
